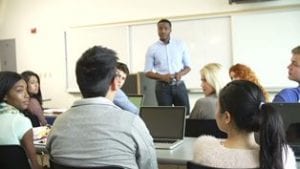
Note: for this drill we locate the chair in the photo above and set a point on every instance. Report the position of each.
(198, 127)
(13, 157)
(191, 165)
(54, 165)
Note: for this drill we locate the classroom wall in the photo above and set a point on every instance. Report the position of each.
(44, 51)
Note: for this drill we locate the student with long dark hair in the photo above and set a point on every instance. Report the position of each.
(34, 110)
(241, 112)
(15, 128)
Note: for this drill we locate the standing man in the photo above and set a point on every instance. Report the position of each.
(94, 132)
(167, 61)
(291, 94)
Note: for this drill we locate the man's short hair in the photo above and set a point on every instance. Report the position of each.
(164, 21)
(123, 67)
(95, 71)
(296, 50)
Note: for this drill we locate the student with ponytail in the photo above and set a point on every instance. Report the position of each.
(241, 112)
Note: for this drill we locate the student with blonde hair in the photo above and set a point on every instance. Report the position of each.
(213, 78)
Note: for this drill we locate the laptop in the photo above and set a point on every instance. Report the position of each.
(166, 125)
(290, 113)
(136, 99)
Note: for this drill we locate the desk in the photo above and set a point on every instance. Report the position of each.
(179, 155)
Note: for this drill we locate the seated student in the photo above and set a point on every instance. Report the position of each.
(94, 131)
(291, 94)
(121, 100)
(34, 110)
(212, 80)
(240, 113)
(243, 72)
(15, 128)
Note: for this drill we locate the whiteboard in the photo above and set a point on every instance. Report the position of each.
(208, 40)
(80, 39)
(264, 42)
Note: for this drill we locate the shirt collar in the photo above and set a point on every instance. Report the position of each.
(94, 100)
(170, 41)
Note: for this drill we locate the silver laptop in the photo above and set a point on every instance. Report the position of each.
(290, 113)
(166, 125)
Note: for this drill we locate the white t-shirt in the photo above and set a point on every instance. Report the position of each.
(13, 126)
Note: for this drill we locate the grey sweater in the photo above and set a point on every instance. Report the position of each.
(95, 132)
(205, 108)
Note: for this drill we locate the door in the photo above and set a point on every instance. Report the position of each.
(8, 55)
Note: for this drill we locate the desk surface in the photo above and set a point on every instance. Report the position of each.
(179, 155)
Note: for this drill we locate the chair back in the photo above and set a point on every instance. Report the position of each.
(54, 165)
(192, 165)
(13, 157)
(198, 127)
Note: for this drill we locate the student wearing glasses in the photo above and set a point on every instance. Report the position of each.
(291, 94)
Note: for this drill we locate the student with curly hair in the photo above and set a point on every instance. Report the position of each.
(243, 72)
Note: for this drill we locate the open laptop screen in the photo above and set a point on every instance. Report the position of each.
(164, 122)
(136, 99)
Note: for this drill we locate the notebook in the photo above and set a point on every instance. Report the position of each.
(166, 125)
(290, 113)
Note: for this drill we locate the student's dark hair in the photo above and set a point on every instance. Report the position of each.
(296, 50)
(26, 76)
(165, 21)
(95, 71)
(123, 67)
(7, 80)
(243, 100)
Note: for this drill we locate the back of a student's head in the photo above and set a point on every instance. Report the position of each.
(244, 101)
(95, 71)
(243, 72)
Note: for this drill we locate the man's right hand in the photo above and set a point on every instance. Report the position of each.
(167, 77)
